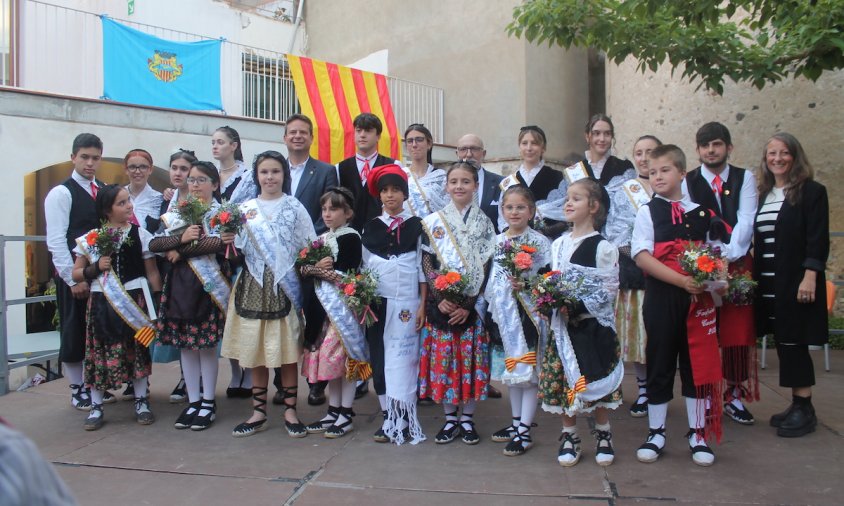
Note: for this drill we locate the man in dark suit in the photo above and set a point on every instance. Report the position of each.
(309, 178)
(352, 172)
(470, 148)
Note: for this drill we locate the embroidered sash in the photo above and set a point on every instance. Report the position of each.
(347, 325)
(636, 193)
(576, 171)
(417, 201)
(120, 300)
(445, 245)
(273, 253)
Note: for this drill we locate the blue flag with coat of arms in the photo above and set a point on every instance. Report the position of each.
(142, 69)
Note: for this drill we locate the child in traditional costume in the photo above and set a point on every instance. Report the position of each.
(264, 328)
(341, 354)
(196, 293)
(457, 251)
(513, 311)
(391, 249)
(679, 316)
(581, 367)
(118, 267)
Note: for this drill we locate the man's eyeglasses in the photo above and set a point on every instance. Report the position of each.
(473, 149)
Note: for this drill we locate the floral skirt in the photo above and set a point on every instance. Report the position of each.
(454, 368)
(631, 325)
(112, 355)
(554, 389)
(326, 360)
(198, 334)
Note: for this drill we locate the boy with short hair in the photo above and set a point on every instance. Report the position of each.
(662, 230)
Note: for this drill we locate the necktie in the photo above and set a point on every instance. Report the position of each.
(134, 220)
(717, 185)
(395, 225)
(94, 189)
(677, 213)
(364, 173)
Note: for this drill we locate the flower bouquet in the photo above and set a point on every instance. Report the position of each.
(516, 257)
(313, 253)
(105, 241)
(707, 266)
(551, 291)
(451, 284)
(357, 289)
(229, 218)
(740, 289)
(192, 211)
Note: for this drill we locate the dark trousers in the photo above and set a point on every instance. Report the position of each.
(375, 338)
(72, 314)
(796, 367)
(665, 310)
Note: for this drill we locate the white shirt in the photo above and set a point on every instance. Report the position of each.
(296, 172)
(480, 192)
(360, 160)
(147, 203)
(597, 167)
(743, 230)
(57, 215)
(643, 227)
(606, 255)
(530, 174)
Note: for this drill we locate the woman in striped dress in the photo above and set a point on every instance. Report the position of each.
(791, 244)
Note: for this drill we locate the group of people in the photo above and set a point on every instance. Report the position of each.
(449, 312)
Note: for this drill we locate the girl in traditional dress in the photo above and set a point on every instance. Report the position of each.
(454, 366)
(512, 311)
(392, 250)
(196, 293)
(180, 165)
(117, 308)
(582, 368)
(425, 183)
(633, 194)
(264, 324)
(236, 185)
(341, 354)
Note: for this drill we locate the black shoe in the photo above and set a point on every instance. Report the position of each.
(450, 430)
(777, 419)
(238, 393)
(742, 416)
(129, 393)
(180, 393)
(109, 398)
(80, 398)
(297, 429)
(425, 401)
(380, 436)
(185, 419)
(316, 395)
(362, 390)
(493, 393)
(799, 422)
(202, 422)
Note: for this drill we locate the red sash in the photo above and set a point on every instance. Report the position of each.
(738, 342)
(706, 360)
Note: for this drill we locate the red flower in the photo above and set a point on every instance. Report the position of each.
(441, 283)
(225, 216)
(528, 249)
(349, 289)
(705, 264)
(523, 261)
(452, 277)
(91, 238)
(303, 253)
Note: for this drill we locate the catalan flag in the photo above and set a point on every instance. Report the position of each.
(331, 96)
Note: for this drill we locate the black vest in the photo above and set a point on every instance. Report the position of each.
(694, 226)
(366, 206)
(129, 261)
(83, 212)
(587, 251)
(701, 193)
(612, 168)
(380, 241)
(546, 180)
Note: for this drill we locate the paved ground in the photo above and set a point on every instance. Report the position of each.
(124, 463)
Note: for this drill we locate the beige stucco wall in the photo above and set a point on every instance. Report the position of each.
(493, 84)
(673, 110)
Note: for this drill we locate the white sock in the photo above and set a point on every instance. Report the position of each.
(209, 364)
(516, 395)
(656, 415)
(382, 400)
(347, 391)
(335, 392)
(604, 427)
(191, 372)
(97, 396)
(237, 374)
(73, 371)
(736, 398)
(571, 430)
(529, 404)
(696, 412)
(141, 385)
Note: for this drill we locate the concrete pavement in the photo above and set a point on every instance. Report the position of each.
(125, 463)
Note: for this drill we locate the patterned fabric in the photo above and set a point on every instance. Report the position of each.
(109, 365)
(454, 368)
(630, 325)
(252, 300)
(327, 359)
(190, 334)
(554, 390)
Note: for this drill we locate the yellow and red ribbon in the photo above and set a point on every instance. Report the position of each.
(528, 358)
(579, 386)
(145, 335)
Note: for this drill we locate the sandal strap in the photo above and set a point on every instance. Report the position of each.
(523, 437)
(259, 395)
(569, 438)
(290, 393)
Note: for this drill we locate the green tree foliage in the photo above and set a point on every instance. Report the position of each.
(753, 41)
